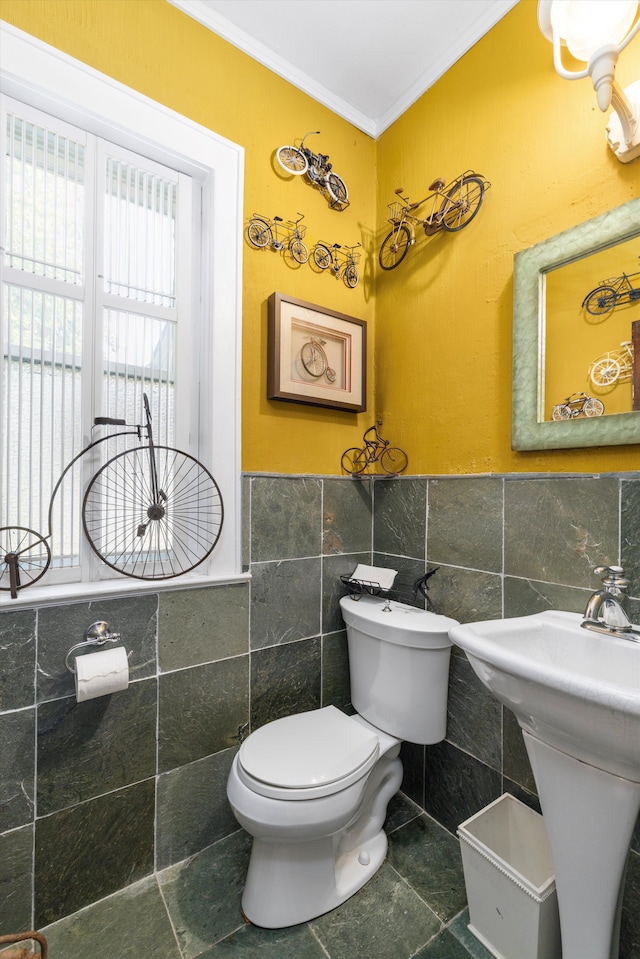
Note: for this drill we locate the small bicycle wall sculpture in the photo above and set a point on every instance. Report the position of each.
(283, 237)
(338, 261)
(453, 206)
(613, 366)
(578, 404)
(611, 293)
(316, 169)
(392, 459)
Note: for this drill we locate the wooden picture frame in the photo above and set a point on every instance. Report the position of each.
(316, 356)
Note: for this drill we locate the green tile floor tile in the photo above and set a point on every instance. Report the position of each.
(127, 925)
(250, 942)
(385, 920)
(203, 894)
(428, 857)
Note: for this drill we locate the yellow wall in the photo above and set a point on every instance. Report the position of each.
(442, 330)
(443, 317)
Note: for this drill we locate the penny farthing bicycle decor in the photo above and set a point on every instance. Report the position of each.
(150, 512)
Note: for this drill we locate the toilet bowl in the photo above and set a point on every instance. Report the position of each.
(312, 789)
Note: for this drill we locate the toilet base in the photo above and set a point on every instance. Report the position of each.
(300, 881)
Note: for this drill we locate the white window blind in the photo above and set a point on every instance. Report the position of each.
(95, 236)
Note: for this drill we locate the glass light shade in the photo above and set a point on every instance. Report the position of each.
(588, 25)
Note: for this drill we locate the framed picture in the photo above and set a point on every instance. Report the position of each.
(316, 356)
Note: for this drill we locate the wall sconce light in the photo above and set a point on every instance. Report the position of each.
(596, 31)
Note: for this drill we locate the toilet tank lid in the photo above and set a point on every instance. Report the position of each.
(397, 623)
(308, 749)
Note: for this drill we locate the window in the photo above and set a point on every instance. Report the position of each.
(118, 279)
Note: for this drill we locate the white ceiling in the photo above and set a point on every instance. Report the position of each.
(367, 60)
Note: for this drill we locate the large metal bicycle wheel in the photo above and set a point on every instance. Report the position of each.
(354, 460)
(351, 276)
(149, 537)
(337, 189)
(604, 372)
(292, 160)
(599, 301)
(259, 233)
(394, 460)
(593, 407)
(462, 203)
(24, 558)
(322, 256)
(394, 247)
(298, 251)
(561, 412)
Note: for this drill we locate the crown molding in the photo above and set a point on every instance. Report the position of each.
(200, 11)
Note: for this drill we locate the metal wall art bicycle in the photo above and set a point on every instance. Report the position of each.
(278, 235)
(340, 262)
(357, 460)
(578, 404)
(150, 512)
(613, 292)
(316, 169)
(613, 366)
(453, 206)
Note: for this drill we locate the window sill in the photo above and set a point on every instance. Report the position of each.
(63, 593)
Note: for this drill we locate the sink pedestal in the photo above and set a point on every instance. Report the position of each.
(590, 816)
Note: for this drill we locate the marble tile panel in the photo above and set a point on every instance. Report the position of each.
(90, 748)
(203, 894)
(399, 517)
(446, 946)
(17, 768)
(523, 597)
(201, 710)
(128, 924)
(428, 857)
(474, 715)
(285, 680)
(630, 533)
(114, 831)
(464, 522)
(384, 919)
(466, 595)
(333, 567)
(412, 756)
(459, 930)
(16, 880)
(192, 808)
(285, 601)
(630, 924)
(407, 572)
(515, 761)
(347, 508)
(286, 517)
(400, 811)
(18, 655)
(61, 627)
(558, 530)
(336, 688)
(251, 942)
(457, 785)
(202, 625)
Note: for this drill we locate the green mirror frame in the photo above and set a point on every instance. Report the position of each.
(529, 430)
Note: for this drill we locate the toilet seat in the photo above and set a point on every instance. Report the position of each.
(307, 756)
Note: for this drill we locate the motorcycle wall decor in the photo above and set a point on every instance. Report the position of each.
(316, 169)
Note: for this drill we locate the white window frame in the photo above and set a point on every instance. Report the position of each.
(51, 81)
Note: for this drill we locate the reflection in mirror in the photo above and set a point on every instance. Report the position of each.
(590, 307)
(576, 321)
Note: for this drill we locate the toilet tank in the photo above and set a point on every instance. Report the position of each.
(399, 666)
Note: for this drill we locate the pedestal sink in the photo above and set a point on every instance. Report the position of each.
(576, 695)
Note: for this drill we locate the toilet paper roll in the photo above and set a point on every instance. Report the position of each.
(98, 674)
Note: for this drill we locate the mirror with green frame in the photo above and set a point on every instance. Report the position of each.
(576, 318)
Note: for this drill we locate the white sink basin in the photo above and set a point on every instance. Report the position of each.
(572, 688)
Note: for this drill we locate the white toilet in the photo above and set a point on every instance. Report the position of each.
(313, 788)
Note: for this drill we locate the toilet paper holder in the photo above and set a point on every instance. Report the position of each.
(95, 635)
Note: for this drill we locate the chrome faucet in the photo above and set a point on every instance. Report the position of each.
(607, 609)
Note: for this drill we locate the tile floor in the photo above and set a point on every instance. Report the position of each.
(413, 908)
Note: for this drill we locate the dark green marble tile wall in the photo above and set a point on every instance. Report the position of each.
(139, 778)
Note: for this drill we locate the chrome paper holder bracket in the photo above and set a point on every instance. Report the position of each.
(95, 635)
